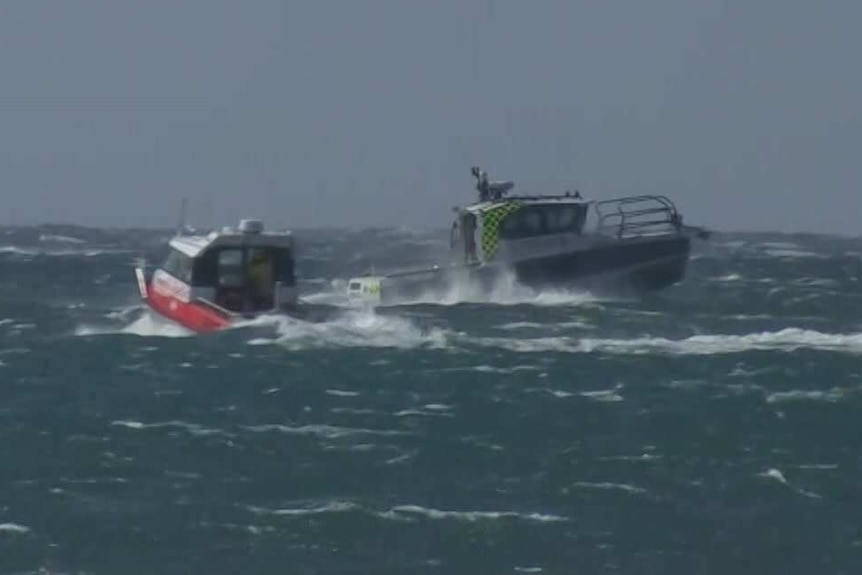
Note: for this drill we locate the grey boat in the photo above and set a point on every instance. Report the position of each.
(627, 245)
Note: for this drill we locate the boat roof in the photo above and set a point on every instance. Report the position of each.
(496, 193)
(249, 233)
(550, 200)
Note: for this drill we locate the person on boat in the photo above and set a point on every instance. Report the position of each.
(468, 229)
(261, 276)
(482, 185)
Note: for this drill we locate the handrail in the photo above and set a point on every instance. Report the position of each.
(637, 215)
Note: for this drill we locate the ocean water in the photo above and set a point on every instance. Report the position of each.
(712, 428)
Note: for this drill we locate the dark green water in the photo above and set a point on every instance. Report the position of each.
(713, 428)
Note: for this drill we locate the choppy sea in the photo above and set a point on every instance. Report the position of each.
(714, 427)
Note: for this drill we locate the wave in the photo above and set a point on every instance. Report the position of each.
(147, 325)
(506, 291)
(785, 340)
(351, 328)
(13, 528)
(366, 328)
(829, 396)
(60, 239)
(61, 252)
(792, 254)
(345, 329)
(408, 512)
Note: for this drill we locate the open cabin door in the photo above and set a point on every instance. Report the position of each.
(246, 278)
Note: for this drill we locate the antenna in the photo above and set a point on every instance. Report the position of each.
(181, 226)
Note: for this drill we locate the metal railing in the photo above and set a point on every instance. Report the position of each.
(637, 215)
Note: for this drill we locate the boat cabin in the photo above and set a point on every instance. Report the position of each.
(244, 270)
(481, 230)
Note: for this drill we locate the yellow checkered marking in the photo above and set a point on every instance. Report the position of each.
(491, 227)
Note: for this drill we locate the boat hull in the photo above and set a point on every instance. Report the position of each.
(201, 317)
(621, 267)
(194, 316)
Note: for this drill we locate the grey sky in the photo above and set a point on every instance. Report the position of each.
(747, 113)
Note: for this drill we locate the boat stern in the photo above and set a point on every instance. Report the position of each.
(365, 289)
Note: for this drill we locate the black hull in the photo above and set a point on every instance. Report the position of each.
(623, 267)
(638, 266)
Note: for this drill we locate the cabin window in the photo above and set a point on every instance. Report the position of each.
(560, 220)
(531, 220)
(534, 221)
(179, 265)
(230, 258)
(524, 223)
(510, 226)
(230, 268)
(206, 269)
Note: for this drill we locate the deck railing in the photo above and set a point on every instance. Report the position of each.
(637, 215)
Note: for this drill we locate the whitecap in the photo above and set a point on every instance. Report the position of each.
(506, 291)
(147, 325)
(327, 507)
(778, 476)
(192, 428)
(785, 340)
(354, 329)
(325, 431)
(609, 486)
(52, 238)
(341, 393)
(830, 395)
(13, 528)
(471, 516)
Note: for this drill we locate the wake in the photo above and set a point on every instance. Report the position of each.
(366, 328)
(506, 291)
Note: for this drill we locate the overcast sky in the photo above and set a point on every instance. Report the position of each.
(368, 112)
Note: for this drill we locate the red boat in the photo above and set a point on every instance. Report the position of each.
(210, 282)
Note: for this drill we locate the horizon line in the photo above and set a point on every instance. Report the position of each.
(207, 229)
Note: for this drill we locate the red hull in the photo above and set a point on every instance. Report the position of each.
(194, 316)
